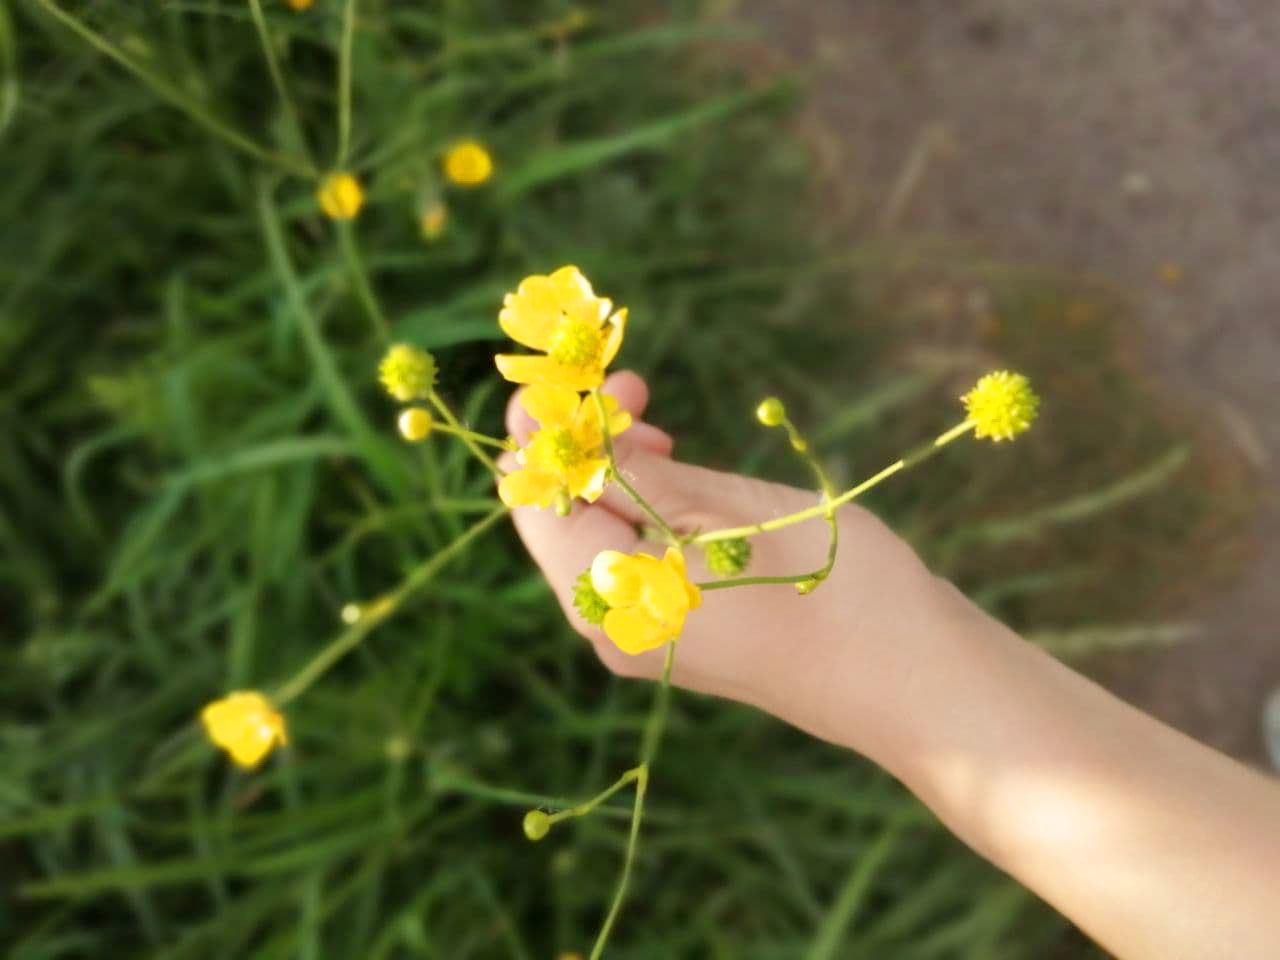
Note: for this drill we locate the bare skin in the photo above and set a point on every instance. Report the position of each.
(1155, 845)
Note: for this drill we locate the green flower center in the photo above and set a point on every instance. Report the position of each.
(576, 342)
(562, 450)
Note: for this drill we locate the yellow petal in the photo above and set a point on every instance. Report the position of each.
(535, 369)
(615, 578)
(245, 725)
(587, 480)
(570, 286)
(664, 596)
(633, 631)
(613, 342)
(674, 559)
(550, 406)
(529, 488)
(586, 426)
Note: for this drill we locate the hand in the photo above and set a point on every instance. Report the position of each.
(833, 661)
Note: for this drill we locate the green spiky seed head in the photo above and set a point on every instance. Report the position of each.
(728, 558)
(589, 604)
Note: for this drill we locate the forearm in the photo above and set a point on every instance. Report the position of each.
(1153, 844)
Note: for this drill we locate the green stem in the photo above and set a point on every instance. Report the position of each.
(616, 474)
(277, 78)
(584, 808)
(380, 610)
(753, 581)
(360, 278)
(801, 446)
(344, 84)
(176, 97)
(912, 459)
(466, 435)
(648, 752)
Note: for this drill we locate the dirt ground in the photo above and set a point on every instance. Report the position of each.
(1137, 141)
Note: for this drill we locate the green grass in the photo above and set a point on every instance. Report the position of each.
(197, 472)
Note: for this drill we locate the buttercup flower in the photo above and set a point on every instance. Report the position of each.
(468, 164)
(340, 196)
(565, 457)
(301, 4)
(1002, 405)
(407, 372)
(245, 725)
(648, 598)
(560, 315)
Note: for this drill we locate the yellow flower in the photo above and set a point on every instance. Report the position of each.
(432, 220)
(340, 196)
(468, 164)
(562, 316)
(1002, 405)
(648, 598)
(301, 4)
(245, 725)
(407, 373)
(565, 458)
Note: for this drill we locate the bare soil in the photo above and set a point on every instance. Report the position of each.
(1136, 141)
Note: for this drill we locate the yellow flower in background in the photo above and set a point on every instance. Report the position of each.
(407, 373)
(648, 598)
(1002, 405)
(560, 315)
(340, 196)
(468, 164)
(301, 4)
(565, 458)
(432, 220)
(245, 725)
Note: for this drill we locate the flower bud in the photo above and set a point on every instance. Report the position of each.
(415, 424)
(564, 504)
(806, 587)
(536, 825)
(728, 558)
(771, 412)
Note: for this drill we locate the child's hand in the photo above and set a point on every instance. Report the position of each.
(844, 653)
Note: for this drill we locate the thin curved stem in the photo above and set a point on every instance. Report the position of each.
(464, 434)
(671, 536)
(379, 610)
(177, 98)
(277, 78)
(344, 84)
(648, 752)
(912, 459)
(360, 277)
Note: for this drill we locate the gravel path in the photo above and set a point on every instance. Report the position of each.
(1137, 140)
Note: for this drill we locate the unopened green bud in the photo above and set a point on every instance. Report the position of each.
(771, 412)
(587, 601)
(727, 558)
(536, 825)
(564, 504)
(806, 587)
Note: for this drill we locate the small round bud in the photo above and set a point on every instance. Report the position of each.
(798, 443)
(806, 587)
(407, 373)
(727, 558)
(351, 613)
(340, 196)
(771, 412)
(564, 504)
(415, 424)
(536, 825)
(587, 601)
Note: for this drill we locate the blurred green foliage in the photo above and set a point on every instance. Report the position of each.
(197, 472)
